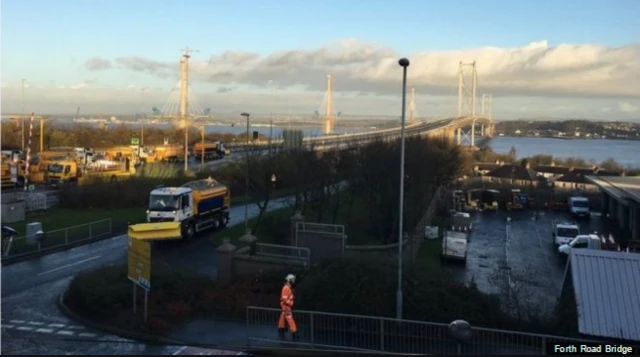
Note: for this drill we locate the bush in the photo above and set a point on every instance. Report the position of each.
(363, 287)
(104, 295)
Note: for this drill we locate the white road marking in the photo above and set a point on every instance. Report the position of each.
(87, 334)
(57, 325)
(17, 321)
(45, 330)
(35, 323)
(68, 265)
(25, 328)
(64, 332)
(7, 326)
(180, 350)
(75, 327)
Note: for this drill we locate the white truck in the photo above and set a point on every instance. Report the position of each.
(454, 246)
(579, 207)
(181, 212)
(588, 241)
(564, 233)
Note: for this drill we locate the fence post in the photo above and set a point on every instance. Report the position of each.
(66, 236)
(382, 335)
(312, 337)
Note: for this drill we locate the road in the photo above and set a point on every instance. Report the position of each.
(519, 251)
(31, 322)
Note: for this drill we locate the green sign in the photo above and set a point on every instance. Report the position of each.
(135, 141)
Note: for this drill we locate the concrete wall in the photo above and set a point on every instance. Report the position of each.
(14, 211)
(245, 265)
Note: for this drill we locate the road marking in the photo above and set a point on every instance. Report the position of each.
(68, 265)
(57, 325)
(7, 326)
(87, 334)
(45, 330)
(64, 332)
(35, 323)
(17, 321)
(76, 327)
(25, 328)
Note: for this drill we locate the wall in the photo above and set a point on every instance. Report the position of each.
(322, 246)
(245, 265)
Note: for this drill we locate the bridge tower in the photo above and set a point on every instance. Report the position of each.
(412, 107)
(329, 119)
(467, 85)
(487, 112)
(184, 82)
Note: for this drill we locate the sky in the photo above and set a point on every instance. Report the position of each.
(537, 59)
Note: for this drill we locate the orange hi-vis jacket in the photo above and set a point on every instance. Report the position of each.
(286, 298)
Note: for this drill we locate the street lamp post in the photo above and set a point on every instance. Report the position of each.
(404, 63)
(22, 115)
(246, 184)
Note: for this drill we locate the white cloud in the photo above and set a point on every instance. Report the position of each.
(534, 80)
(627, 108)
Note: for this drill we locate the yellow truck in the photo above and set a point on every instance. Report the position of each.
(181, 212)
(71, 172)
(6, 174)
(167, 153)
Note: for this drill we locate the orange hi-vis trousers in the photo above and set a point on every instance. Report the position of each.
(287, 315)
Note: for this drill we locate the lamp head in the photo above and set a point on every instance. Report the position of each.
(403, 62)
(245, 115)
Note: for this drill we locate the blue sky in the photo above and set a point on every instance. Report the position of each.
(46, 40)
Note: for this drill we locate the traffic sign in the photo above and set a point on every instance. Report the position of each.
(135, 141)
(140, 263)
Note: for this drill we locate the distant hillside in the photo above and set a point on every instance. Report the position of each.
(569, 128)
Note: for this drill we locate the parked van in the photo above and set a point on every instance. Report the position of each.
(579, 207)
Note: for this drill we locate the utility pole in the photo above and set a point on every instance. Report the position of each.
(270, 117)
(328, 110)
(404, 63)
(184, 100)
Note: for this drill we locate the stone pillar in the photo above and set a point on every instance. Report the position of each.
(297, 217)
(225, 262)
(250, 240)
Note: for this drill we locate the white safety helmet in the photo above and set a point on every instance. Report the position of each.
(290, 278)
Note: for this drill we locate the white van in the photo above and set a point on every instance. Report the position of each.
(454, 246)
(579, 207)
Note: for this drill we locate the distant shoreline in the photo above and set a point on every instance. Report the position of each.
(566, 138)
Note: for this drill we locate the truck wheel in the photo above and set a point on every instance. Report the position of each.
(217, 221)
(224, 220)
(188, 231)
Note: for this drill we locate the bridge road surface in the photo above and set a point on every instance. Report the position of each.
(31, 321)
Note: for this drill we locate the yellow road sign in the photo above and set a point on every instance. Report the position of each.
(140, 263)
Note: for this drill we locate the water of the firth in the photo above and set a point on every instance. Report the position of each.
(625, 152)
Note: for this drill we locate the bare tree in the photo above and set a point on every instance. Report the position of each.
(517, 291)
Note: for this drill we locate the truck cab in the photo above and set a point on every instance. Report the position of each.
(579, 207)
(564, 233)
(171, 204)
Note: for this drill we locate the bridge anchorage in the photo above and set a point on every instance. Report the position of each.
(468, 124)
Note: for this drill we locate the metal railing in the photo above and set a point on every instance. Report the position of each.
(378, 334)
(58, 238)
(284, 251)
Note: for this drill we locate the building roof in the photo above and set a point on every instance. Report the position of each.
(622, 188)
(574, 177)
(515, 172)
(486, 166)
(557, 170)
(606, 286)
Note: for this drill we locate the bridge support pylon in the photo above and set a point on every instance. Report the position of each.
(329, 119)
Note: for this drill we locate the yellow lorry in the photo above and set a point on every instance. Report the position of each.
(181, 212)
(167, 153)
(71, 172)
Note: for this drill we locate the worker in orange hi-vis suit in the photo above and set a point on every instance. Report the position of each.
(286, 303)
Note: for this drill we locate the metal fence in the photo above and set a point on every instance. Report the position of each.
(378, 334)
(284, 251)
(58, 238)
(36, 201)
